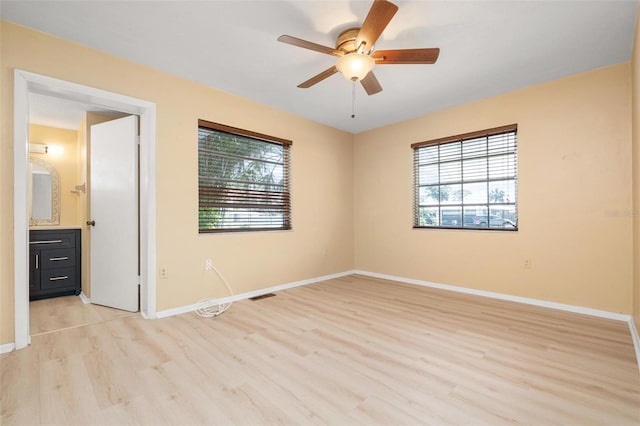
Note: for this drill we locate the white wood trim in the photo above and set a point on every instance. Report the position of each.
(518, 299)
(21, 208)
(236, 297)
(27, 82)
(501, 296)
(148, 211)
(7, 347)
(84, 298)
(636, 339)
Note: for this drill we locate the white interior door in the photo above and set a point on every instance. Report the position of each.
(114, 209)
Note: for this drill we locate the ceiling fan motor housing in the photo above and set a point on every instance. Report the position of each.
(347, 40)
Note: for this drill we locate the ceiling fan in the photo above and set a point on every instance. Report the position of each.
(356, 54)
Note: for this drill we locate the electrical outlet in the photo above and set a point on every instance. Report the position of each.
(208, 265)
(526, 264)
(163, 273)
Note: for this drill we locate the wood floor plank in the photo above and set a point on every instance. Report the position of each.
(20, 388)
(353, 350)
(64, 381)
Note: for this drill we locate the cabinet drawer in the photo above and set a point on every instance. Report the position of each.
(61, 258)
(52, 239)
(57, 278)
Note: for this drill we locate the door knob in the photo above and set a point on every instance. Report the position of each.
(91, 222)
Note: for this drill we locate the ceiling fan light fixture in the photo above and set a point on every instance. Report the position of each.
(355, 66)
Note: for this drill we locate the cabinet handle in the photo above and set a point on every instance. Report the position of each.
(37, 261)
(58, 258)
(58, 278)
(46, 242)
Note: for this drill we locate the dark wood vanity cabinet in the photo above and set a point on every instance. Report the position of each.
(54, 263)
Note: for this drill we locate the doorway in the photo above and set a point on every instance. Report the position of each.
(26, 83)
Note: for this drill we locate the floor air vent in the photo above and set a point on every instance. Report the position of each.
(264, 296)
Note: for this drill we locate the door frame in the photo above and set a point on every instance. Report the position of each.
(27, 82)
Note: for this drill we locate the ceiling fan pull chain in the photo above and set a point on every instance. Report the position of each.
(353, 99)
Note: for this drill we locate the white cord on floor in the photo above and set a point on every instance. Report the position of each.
(209, 308)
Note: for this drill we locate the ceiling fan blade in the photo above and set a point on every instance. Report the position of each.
(371, 84)
(309, 45)
(318, 78)
(374, 24)
(406, 56)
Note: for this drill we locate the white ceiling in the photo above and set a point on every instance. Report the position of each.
(487, 47)
(56, 112)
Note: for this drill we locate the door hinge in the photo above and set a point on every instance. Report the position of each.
(139, 280)
(138, 139)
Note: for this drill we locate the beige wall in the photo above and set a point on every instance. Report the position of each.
(635, 67)
(65, 162)
(321, 241)
(574, 196)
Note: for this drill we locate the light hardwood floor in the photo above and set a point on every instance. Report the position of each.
(58, 313)
(353, 350)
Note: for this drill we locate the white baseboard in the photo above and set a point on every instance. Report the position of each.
(502, 296)
(7, 347)
(247, 295)
(636, 339)
(84, 298)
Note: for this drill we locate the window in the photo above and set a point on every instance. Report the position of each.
(467, 181)
(243, 180)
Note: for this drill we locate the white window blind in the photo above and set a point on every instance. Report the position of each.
(243, 180)
(468, 181)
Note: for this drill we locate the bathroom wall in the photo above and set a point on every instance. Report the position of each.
(63, 155)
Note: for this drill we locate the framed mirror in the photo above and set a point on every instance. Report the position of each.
(44, 190)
